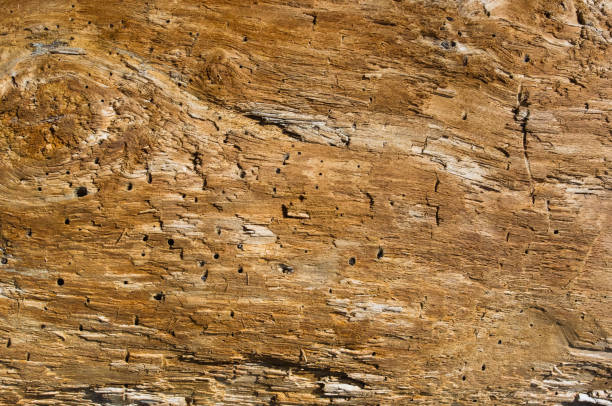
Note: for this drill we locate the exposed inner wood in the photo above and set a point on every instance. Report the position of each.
(305, 202)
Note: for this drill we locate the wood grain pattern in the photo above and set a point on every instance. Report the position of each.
(305, 202)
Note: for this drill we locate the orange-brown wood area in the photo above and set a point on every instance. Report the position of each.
(266, 202)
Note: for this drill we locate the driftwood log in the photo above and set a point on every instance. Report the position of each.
(305, 202)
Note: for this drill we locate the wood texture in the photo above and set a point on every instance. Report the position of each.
(305, 202)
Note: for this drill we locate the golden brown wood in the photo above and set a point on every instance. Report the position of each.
(305, 202)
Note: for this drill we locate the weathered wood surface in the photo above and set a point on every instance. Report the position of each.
(305, 202)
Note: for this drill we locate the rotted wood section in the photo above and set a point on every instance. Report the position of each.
(305, 202)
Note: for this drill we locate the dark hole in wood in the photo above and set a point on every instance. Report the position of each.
(81, 191)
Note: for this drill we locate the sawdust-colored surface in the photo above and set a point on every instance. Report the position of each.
(305, 202)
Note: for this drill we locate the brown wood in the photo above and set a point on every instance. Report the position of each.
(305, 202)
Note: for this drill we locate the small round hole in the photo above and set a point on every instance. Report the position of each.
(170, 242)
(351, 261)
(60, 281)
(81, 191)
